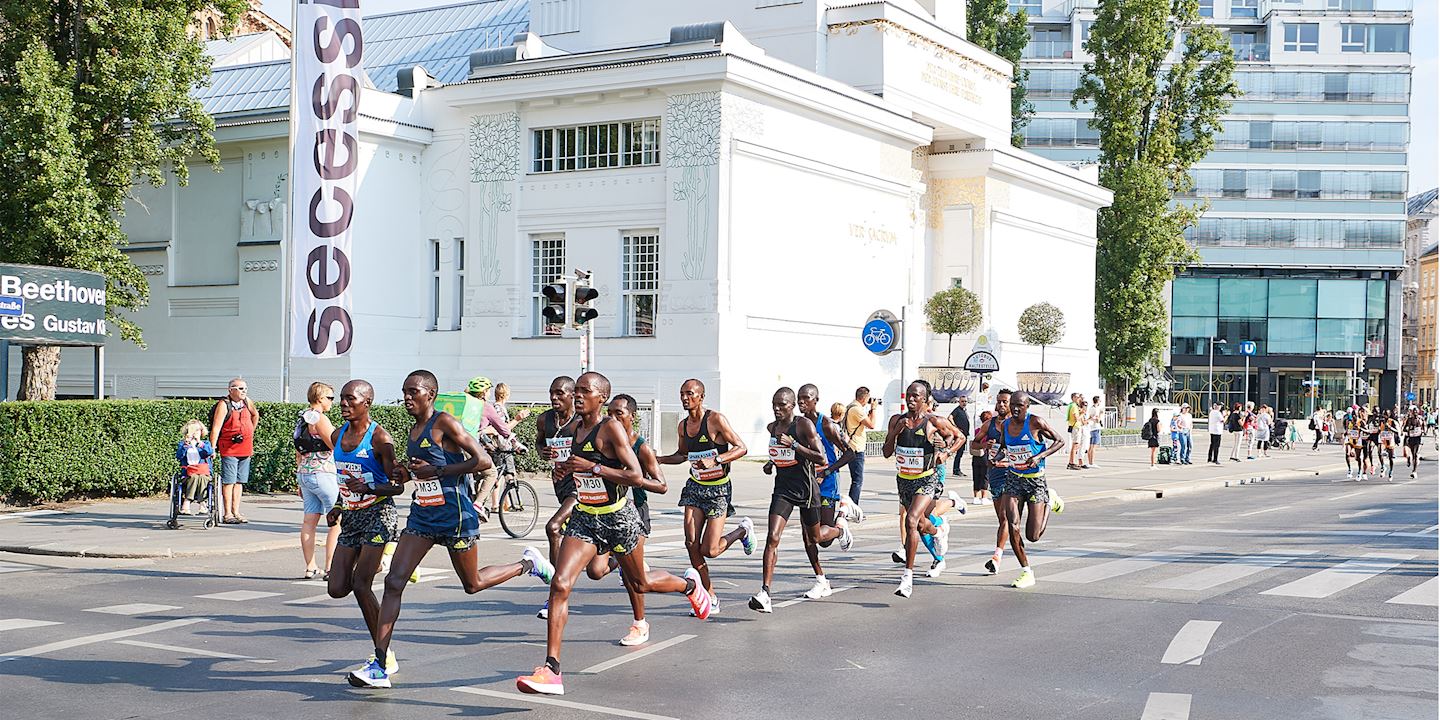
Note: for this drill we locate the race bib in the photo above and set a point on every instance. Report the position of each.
(1387, 437)
(562, 447)
(910, 460)
(1018, 455)
(1352, 434)
(192, 455)
(350, 500)
(1416, 431)
(590, 489)
(428, 493)
(780, 455)
(708, 474)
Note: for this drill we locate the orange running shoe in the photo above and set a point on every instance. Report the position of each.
(543, 682)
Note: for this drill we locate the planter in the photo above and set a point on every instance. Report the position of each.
(949, 384)
(1047, 387)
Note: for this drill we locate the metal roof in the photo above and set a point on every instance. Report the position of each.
(1417, 203)
(440, 39)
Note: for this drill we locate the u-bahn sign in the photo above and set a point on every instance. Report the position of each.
(51, 306)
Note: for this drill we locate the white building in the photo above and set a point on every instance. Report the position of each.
(747, 179)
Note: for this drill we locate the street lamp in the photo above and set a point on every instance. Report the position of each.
(1210, 386)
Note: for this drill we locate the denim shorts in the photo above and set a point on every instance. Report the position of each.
(234, 470)
(320, 491)
(1095, 437)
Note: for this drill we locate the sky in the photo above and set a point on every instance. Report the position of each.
(1424, 84)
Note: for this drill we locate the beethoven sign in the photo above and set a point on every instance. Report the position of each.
(323, 168)
(51, 306)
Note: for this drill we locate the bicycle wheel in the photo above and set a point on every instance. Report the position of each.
(519, 508)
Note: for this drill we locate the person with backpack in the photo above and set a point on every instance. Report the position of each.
(1150, 433)
(232, 433)
(316, 474)
(859, 417)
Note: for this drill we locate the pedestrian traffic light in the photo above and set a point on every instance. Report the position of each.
(584, 296)
(558, 303)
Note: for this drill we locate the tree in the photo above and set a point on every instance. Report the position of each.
(1042, 324)
(93, 95)
(952, 312)
(991, 25)
(1157, 109)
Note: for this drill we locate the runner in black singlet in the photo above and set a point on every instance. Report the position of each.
(554, 431)
(908, 440)
(794, 452)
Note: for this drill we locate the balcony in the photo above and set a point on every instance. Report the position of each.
(1251, 52)
(1070, 6)
(1049, 50)
(1349, 7)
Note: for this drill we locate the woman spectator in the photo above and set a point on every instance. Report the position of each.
(1235, 425)
(1248, 423)
(1264, 428)
(1151, 433)
(495, 434)
(315, 471)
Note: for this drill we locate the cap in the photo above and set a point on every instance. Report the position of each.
(479, 385)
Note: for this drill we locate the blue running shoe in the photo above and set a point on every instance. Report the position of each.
(373, 675)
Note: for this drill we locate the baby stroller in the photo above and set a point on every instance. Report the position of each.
(209, 496)
(1282, 435)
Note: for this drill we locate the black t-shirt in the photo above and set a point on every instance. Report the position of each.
(961, 418)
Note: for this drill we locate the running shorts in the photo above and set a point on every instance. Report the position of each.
(782, 505)
(643, 510)
(371, 526)
(453, 543)
(927, 486)
(1028, 489)
(712, 500)
(616, 532)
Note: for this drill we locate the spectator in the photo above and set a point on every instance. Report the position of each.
(960, 417)
(837, 413)
(1317, 426)
(980, 466)
(315, 471)
(232, 434)
(502, 411)
(1264, 428)
(193, 453)
(1081, 435)
(1094, 423)
(1235, 425)
(859, 417)
(496, 437)
(1151, 434)
(1184, 426)
(1249, 423)
(1175, 437)
(1215, 423)
(1072, 418)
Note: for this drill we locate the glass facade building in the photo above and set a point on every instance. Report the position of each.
(1301, 243)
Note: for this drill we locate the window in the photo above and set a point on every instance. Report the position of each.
(1375, 300)
(547, 264)
(1292, 298)
(640, 281)
(1374, 38)
(1352, 38)
(1302, 37)
(1194, 296)
(434, 283)
(1340, 336)
(1291, 336)
(1242, 298)
(1031, 7)
(1341, 299)
(588, 147)
(1207, 8)
(459, 281)
(1244, 8)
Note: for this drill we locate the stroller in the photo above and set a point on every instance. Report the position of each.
(209, 496)
(1281, 435)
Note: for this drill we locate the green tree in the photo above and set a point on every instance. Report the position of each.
(952, 312)
(1159, 83)
(991, 25)
(93, 95)
(1042, 324)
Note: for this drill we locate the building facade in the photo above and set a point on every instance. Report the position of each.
(1301, 247)
(1428, 268)
(747, 181)
(1415, 375)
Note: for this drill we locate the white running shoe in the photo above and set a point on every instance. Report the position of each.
(846, 538)
(850, 510)
(748, 541)
(898, 556)
(936, 568)
(959, 503)
(942, 540)
(760, 602)
(821, 589)
(906, 582)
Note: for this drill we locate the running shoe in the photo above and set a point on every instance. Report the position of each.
(544, 613)
(898, 556)
(370, 676)
(392, 666)
(992, 565)
(936, 568)
(540, 565)
(1026, 579)
(959, 504)
(942, 541)
(906, 582)
(543, 682)
(821, 589)
(747, 541)
(639, 634)
(700, 602)
(760, 602)
(385, 558)
(1057, 503)
(846, 538)
(850, 510)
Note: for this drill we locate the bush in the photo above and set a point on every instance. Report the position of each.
(126, 448)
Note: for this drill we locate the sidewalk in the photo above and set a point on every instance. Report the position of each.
(135, 528)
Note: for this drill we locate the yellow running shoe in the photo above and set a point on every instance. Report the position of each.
(1026, 579)
(1057, 503)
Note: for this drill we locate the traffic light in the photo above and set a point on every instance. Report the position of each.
(583, 311)
(559, 304)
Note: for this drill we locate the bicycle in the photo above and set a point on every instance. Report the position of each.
(519, 506)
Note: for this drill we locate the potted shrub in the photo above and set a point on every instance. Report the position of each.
(1043, 324)
(951, 312)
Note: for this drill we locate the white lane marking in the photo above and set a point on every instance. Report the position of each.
(1347, 574)
(22, 623)
(193, 651)
(1189, 644)
(132, 609)
(555, 702)
(238, 595)
(1231, 570)
(310, 600)
(1111, 544)
(1426, 593)
(1361, 513)
(1125, 566)
(92, 639)
(637, 654)
(30, 513)
(1166, 706)
(1250, 531)
(6, 567)
(802, 598)
(1263, 510)
(1431, 529)
(1348, 495)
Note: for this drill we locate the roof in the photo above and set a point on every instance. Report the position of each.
(1417, 203)
(1433, 249)
(220, 47)
(440, 39)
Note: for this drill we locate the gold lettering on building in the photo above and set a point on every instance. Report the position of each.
(950, 81)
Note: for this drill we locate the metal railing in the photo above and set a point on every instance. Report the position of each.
(1048, 50)
(1251, 52)
(1343, 6)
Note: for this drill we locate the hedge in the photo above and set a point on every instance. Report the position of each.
(59, 450)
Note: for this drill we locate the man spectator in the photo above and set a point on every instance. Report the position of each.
(1317, 426)
(1094, 422)
(1184, 425)
(232, 434)
(859, 417)
(1216, 425)
(960, 417)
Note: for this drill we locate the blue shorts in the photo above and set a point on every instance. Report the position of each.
(234, 470)
(997, 483)
(320, 491)
(1095, 438)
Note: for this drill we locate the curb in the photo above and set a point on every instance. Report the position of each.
(101, 551)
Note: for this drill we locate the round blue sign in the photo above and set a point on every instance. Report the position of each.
(1247, 347)
(878, 337)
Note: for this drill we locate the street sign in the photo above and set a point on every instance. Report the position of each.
(1247, 347)
(52, 306)
(879, 337)
(1409, 397)
(981, 361)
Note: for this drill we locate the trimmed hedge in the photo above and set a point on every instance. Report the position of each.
(58, 450)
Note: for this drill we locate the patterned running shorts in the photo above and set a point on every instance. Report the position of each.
(713, 500)
(1028, 489)
(927, 486)
(372, 526)
(617, 532)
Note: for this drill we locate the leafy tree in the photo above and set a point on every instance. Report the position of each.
(952, 312)
(1159, 83)
(93, 94)
(1042, 324)
(991, 25)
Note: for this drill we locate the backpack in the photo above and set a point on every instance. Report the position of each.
(303, 440)
(1163, 457)
(1146, 432)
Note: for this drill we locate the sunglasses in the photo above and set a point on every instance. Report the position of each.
(241, 389)
(331, 398)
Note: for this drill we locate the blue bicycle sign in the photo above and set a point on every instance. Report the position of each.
(878, 337)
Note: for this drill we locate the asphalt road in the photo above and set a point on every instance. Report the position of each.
(1311, 598)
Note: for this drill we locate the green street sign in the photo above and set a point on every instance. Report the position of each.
(51, 306)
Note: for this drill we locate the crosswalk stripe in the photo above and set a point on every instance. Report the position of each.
(1230, 571)
(1125, 566)
(1426, 593)
(132, 609)
(22, 623)
(1345, 575)
(1166, 706)
(8, 567)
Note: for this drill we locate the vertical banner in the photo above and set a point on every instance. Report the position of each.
(324, 163)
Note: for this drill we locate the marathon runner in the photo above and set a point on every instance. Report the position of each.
(909, 440)
(794, 452)
(938, 545)
(1414, 434)
(554, 432)
(1353, 445)
(604, 468)
(836, 510)
(987, 441)
(1385, 446)
(441, 453)
(1023, 449)
(364, 459)
(708, 444)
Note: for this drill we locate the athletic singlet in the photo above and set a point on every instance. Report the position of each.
(440, 505)
(361, 464)
(597, 495)
(556, 437)
(995, 473)
(794, 473)
(830, 484)
(1352, 434)
(702, 447)
(914, 453)
(1020, 448)
(640, 496)
(1387, 433)
(1415, 430)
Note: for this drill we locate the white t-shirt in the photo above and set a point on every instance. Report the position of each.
(1217, 422)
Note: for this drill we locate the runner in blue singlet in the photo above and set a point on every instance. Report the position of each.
(1025, 442)
(987, 441)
